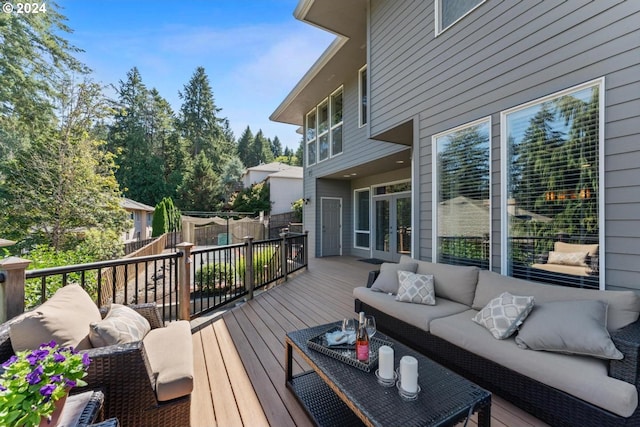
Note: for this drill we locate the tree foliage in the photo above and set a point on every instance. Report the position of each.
(64, 182)
(253, 199)
(201, 189)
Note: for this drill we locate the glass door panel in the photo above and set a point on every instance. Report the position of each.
(382, 225)
(403, 225)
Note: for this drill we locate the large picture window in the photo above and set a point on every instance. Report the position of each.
(462, 186)
(551, 211)
(448, 12)
(362, 203)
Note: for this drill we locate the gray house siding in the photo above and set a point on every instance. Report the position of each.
(357, 149)
(502, 55)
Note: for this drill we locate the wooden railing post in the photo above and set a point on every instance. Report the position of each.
(248, 267)
(283, 255)
(13, 271)
(306, 249)
(184, 281)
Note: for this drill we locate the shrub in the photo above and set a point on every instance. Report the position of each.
(215, 278)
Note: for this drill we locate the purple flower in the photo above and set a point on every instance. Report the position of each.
(2, 388)
(10, 361)
(56, 378)
(47, 390)
(59, 358)
(50, 344)
(85, 360)
(37, 356)
(70, 383)
(34, 376)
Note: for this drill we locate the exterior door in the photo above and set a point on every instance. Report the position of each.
(392, 227)
(331, 226)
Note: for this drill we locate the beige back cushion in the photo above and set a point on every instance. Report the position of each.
(453, 282)
(64, 318)
(591, 250)
(623, 305)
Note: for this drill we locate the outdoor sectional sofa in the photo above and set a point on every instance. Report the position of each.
(146, 382)
(559, 387)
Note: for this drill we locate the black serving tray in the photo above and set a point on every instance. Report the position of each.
(347, 353)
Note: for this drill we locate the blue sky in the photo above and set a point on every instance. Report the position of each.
(254, 51)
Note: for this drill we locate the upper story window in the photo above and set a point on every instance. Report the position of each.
(311, 137)
(362, 95)
(448, 12)
(336, 122)
(323, 135)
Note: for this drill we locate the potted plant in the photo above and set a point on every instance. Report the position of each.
(34, 383)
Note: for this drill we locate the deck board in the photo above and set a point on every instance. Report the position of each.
(240, 359)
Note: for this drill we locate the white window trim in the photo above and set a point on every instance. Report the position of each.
(355, 221)
(315, 140)
(438, 17)
(600, 82)
(332, 127)
(434, 188)
(360, 122)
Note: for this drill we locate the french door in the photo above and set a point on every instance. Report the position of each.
(392, 226)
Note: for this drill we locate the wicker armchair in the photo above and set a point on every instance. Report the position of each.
(126, 378)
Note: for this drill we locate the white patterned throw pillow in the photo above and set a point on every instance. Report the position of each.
(121, 325)
(416, 288)
(504, 314)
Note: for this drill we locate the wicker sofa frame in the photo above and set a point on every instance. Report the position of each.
(124, 375)
(546, 403)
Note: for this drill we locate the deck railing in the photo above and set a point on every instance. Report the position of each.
(215, 277)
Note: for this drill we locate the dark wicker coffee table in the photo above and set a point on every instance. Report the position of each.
(334, 393)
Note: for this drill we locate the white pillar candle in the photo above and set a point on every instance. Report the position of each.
(409, 374)
(385, 361)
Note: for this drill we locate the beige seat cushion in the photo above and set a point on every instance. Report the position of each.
(564, 269)
(64, 318)
(591, 250)
(583, 377)
(170, 353)
(418, 315)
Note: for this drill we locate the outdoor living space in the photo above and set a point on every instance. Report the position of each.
(240, 354)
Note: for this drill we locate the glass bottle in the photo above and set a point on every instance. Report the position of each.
(362, 341)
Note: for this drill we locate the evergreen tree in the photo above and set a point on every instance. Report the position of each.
(199, 122)
(231, 175)
(464, 166)
(201, 189)
(33, 55)
(132, 137)
(244, 146)
(300, 153)
(259, 151)
(276, 147)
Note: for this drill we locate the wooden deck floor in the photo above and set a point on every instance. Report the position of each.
(239, 356)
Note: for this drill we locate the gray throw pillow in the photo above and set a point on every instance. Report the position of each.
(416, 288)
(387, 280)
(121, 325)
(504, 314)
(576, 327)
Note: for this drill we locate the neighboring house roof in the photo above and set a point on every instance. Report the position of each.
(132, 205)
(293, 172)
(462, 216)
(270, 167)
